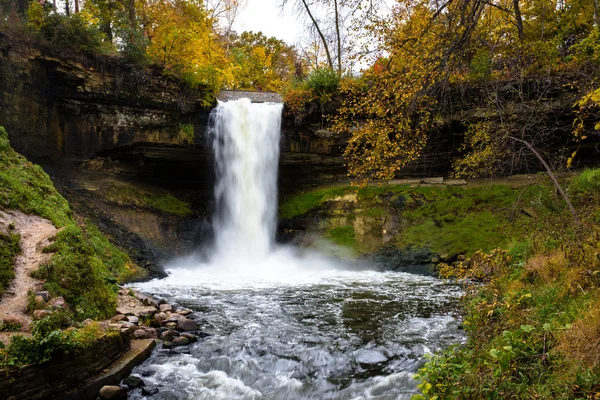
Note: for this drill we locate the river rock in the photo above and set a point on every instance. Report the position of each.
(145, 333)
(184, 312)
(171, 325)
(133, 319)
(113, 393)
(149, 390)
(44, 294)
(181, 341)
(134, 382)
(41, 314)
(168, 345)
(165, 307)
(86, 322)
(187, 325)
(192, 338)
(58, 302)
(39, 302)
(129, 305)
(118, 318)
(169, 335)
(175, 318)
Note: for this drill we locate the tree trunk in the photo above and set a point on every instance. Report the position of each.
(76, 6)
(339, 39)
(131, 10)
(67, 8)
(316, 25)
(596, 16)
(519, 19)
(551, 175)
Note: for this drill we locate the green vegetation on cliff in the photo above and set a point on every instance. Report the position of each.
(9, 248)
(85, 265)
(534, 323)
(138, 197)
(444, 220)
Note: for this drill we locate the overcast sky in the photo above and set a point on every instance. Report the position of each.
(265, 16)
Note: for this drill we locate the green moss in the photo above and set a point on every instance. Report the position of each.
(305, 202)
(186, 134)
(9, 248)
(343, 235)
(135, 196)
(26, 187)
(85, 265)
(375, 212)
(585, 186)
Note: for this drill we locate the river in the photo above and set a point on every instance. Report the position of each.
(284, 323)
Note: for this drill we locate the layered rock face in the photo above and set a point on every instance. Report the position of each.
(70, 110)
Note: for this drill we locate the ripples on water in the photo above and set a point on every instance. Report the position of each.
(296, 328)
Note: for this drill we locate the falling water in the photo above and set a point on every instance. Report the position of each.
(246, 145)
(282, 324)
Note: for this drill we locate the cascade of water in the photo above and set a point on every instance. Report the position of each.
(246, 145)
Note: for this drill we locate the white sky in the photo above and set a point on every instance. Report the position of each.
(265, 16)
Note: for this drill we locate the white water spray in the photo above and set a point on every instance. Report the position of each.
(246, 144)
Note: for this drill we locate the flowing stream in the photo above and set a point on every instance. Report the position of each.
(283, 323)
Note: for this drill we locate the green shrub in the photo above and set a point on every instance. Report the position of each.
(48, 340)
(186, 134)
(585, 187)
(9, 248)
(324, 83)
(71, 33)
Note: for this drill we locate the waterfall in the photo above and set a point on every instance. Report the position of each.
(246, 145)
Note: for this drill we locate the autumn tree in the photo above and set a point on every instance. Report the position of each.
(260, 62)
(428, 50)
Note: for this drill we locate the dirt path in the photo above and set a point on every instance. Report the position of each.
(36, 233)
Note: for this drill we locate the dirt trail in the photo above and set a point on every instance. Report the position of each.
(36, 233)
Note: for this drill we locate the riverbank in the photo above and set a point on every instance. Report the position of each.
(532, 326)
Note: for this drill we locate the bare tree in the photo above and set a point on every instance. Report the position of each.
(227, 12)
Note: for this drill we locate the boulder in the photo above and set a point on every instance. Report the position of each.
(184, 312)
(181, 341)
(187, 325)
(149, 390)
(192, 338)
(169, 335)
(145, 333)
(134, 382)
(39, 302)
(175, 318)
(168, 345)
(41, 314)
(118, 318)
(58, 302)
(113, 393)
(171, 325)
(44, 294)
(133, 320)
(165, 307)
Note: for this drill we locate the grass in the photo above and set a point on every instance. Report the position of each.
(343, 235)
(138, 197)
(9, 249)
(300, 204)
(85, 265)
(446, 220)
(534, 327)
